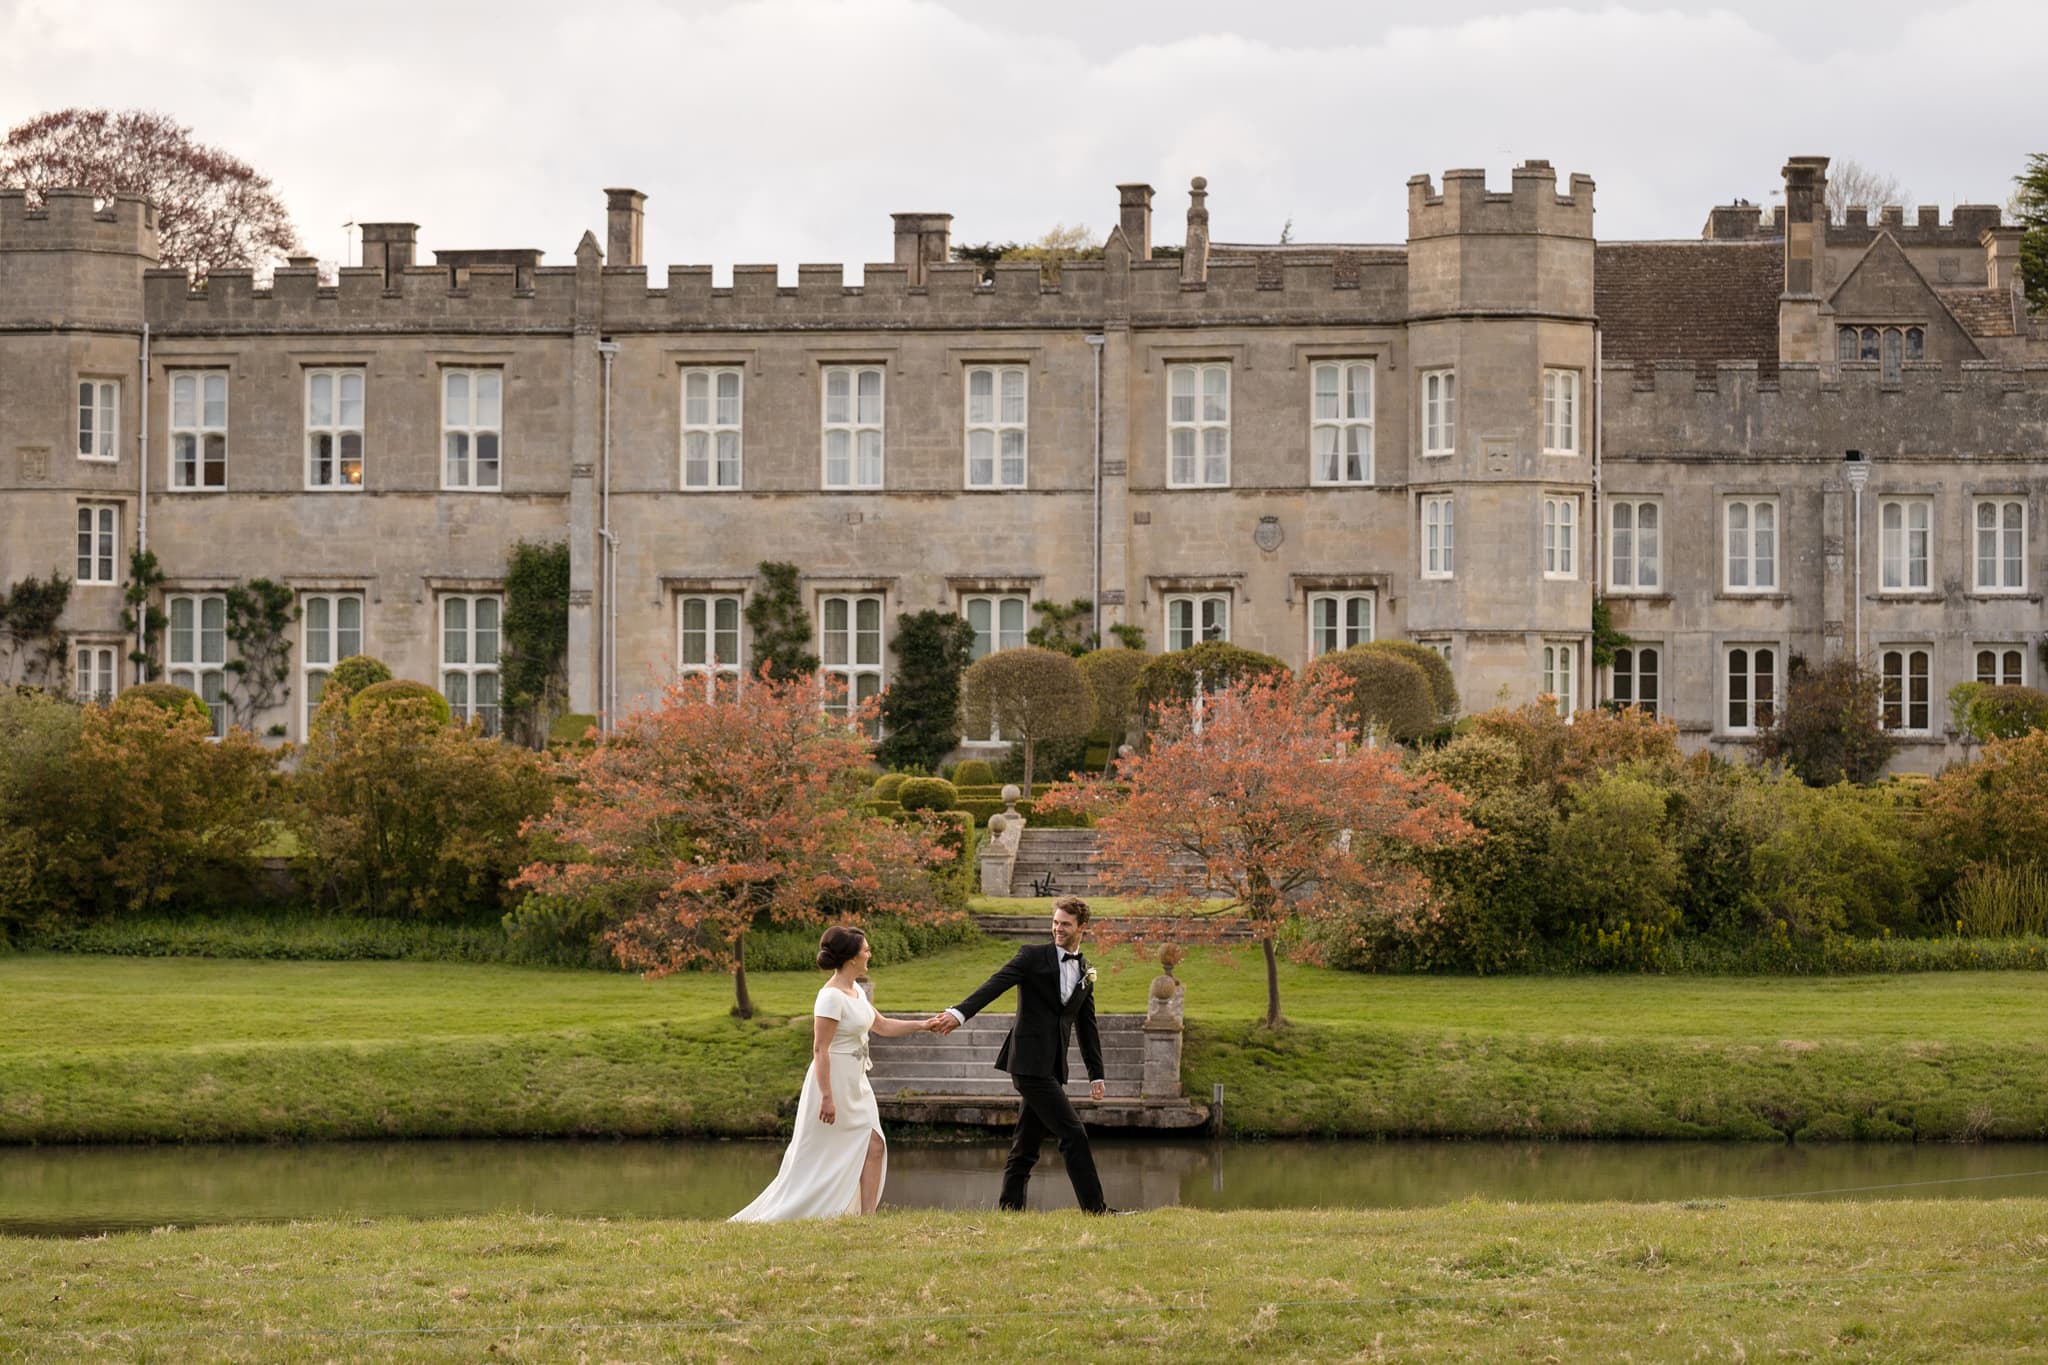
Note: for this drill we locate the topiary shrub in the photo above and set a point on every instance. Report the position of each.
(399, 694)
(974, 772)
(357, 672)
(888, 785)
(1112, 676)
(1443, 689)
(1171, 677)
(1383, 692)
(169, 696)
(926, 793)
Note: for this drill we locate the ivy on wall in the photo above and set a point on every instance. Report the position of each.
(781, 626)
(29, 612)
(533, 653)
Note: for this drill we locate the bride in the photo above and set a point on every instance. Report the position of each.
(837, 1159)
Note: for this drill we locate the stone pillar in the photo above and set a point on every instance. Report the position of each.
(922, 239)
(1806, 218)
(1134, 216)
(389, 247)
(1194, 261)
(586, 405)
(624, 217)
(998, 865)
(1165, 1011)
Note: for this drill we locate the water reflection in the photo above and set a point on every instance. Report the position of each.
(81, 1191)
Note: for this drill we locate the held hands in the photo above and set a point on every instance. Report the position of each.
(941, 1023)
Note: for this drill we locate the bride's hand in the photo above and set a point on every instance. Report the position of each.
(826, 1111)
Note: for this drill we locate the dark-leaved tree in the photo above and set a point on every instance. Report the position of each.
(921, 709)
(782, 632)
(1831, 727)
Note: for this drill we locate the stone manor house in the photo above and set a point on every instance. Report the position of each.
(1787, 440)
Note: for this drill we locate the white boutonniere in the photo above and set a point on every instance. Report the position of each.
(1089, 977)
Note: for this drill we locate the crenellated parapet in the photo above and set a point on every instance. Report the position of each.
(488, 297)
(1811, 412)
(74, 220)
(1532, 206)
(1965, 227)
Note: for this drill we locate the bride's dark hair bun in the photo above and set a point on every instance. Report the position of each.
(840, 945)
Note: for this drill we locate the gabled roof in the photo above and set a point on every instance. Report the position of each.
(1705, 301)
(1983, 312)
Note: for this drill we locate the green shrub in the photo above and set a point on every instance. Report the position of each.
(170, 697)
(885, 807)
(1383, 693)
(1171, 677)
(39, 738)
(1612, 873)
(400, 694)
(1112, 678)
(357, 672)
(2006, 712)
(974, 772)
(300, 936)
(1443, 688)
(571, 729)
(921, 708)
(926, 793)
(1828, 860)
(889, 785)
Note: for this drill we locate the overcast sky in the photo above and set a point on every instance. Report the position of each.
(789, 130)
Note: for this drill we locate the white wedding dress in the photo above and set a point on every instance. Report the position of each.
(820, 1175)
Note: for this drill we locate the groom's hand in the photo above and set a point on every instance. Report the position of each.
(1096, 1090)
(942, 1023)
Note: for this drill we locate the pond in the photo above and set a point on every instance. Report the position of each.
(82, 1191)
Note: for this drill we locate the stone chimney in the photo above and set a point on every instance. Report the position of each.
(1740, 221)
(1194, 261)
(1806, 227)
(388, 247)
(623, 216)
(922, 239)
(1134, 215)
(2002, 256)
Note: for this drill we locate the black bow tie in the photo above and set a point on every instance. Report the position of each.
(1070, 957)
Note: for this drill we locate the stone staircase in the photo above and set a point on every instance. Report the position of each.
(927, 1078)
(1066, 855)
(1036, 927)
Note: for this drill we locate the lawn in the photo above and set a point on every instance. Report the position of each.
(97, 1048)
(1712, 1281)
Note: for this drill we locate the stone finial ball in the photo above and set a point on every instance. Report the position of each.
(1200, 182)
(998, 822)
(1010, 791)
(1124, 751)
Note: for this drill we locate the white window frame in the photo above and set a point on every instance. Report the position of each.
(465, 681)
(313, 671)
(1628, 674)
(1561, 674)
(1561, 412)
(2008, 569)
(1906, 696)
(1747, 558)
(998, 635)
(697, 645)
(853, 427)
(1339, 424)
(99, 419)
(851, 666)
(195, 653)
(1206, 617)
(1905, 551)
(1439, 412)
(1438, 535)
(1635, 562)
(1198, 422)
(337, 428)
(1753, 719)
(472, 431)
(98, 561)
(999, 425)
(715, 430)
(96, 671)
(1339, 620)
(2001, 653)
(1560, 536)
(199, 430)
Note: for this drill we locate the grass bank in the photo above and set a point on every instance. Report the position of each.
(118, 1049)
(1884, 1281)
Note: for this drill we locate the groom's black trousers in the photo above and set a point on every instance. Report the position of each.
(1049, 1113)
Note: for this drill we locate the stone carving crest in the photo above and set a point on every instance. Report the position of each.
(1268, 535)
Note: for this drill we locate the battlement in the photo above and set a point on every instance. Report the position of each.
(1978, 408)
(1966, 226)
(73, 220)
(508, 296)
(1533, 205)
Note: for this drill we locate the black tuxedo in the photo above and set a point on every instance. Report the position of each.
(1037, 1045)
(1035, 1055)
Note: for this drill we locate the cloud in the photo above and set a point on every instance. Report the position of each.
(788, 130)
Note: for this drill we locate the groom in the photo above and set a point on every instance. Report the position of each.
(1055, 1000)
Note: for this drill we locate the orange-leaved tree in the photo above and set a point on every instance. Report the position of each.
(1262, 803)
(704, 816)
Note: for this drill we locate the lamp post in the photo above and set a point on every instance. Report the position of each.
(1856, 470)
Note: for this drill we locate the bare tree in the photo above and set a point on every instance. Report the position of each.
(214, 211)
(1851, 184)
